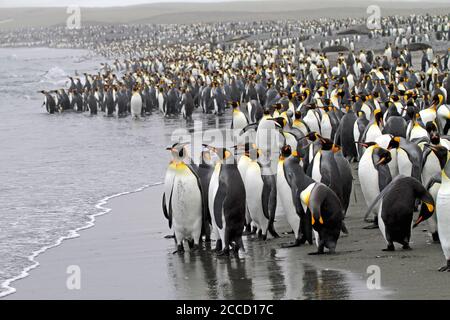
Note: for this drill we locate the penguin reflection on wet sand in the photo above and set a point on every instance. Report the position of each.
(395, 214)
(182, 199)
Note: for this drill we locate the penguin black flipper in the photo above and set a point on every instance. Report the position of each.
(194, 169)
(380, 196)
(164, 206)
(266, 196)
(218, 203)
(248, 127)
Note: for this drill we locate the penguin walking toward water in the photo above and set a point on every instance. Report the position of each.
(291, 181)
(395, 213)
(182, 199)
(442, 212)
(261, 197)
(226, 198)
(49, 102)
(136, 103)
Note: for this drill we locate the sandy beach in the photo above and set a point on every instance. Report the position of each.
(125, 256)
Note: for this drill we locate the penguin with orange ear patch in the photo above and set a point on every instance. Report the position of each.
(327, 215)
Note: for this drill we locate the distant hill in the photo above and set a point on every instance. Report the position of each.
(163, 13)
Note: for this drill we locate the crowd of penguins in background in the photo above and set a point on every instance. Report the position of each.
(325, 111)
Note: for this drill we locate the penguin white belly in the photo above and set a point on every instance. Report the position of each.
(381, 224)
(443, 217)
(427, 115)
(255, 183)
(161, 103)
(316, 175)
(356, 133)
(186, 207)
(325, 126)
(432, 221)
(213, 187)
(239, 120)
(430, 168)
(305, 197)
(136, 105)
(216, 106)
(373, 133)
(312, 121)
(417, 132)
(368, 177)
(367, 111)
(404, 164)
(285, 195)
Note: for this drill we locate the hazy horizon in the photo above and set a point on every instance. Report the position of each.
(120, 3)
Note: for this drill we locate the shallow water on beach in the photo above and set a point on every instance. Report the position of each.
(55, 168)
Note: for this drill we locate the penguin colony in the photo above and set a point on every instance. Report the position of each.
(378, 110)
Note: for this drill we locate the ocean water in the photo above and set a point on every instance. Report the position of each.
(56, 168)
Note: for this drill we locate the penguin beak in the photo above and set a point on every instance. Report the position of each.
(418, 221)
(382, 160)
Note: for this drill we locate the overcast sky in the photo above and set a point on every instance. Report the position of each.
(110, 3)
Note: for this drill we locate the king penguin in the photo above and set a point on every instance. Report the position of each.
(226, 198)
(395, 214)
(442, 212)
(182, 199)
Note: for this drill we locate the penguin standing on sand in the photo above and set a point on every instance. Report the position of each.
(226, 198)
(395, 213)
(374, 175)
(442, 211)
(244, 162)
(136, 103)
(182, 199)
(345, 137)
(291, 181)
(409, 157)
(326, 215)
(261, 196)
(205, 170)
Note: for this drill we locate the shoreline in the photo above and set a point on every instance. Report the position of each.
(130, 243)
(71, 234)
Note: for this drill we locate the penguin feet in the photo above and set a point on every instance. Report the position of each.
(180, 249)
(218, 245)
(195, 248)
(169, 236)
(406, 247)
(223, 253)
(435, 237)
(372, 226)
(296, 243)
(390, 247)
(445, 268)
(316, 253)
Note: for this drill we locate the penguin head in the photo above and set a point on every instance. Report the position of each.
(427, 209)
(382, 156)
(285, 152)
(178, 151)
(222, 153)
(441, 153)
(378, 117)
(394, 143)
(279, 121)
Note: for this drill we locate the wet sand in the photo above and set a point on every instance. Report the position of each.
(125, 256)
